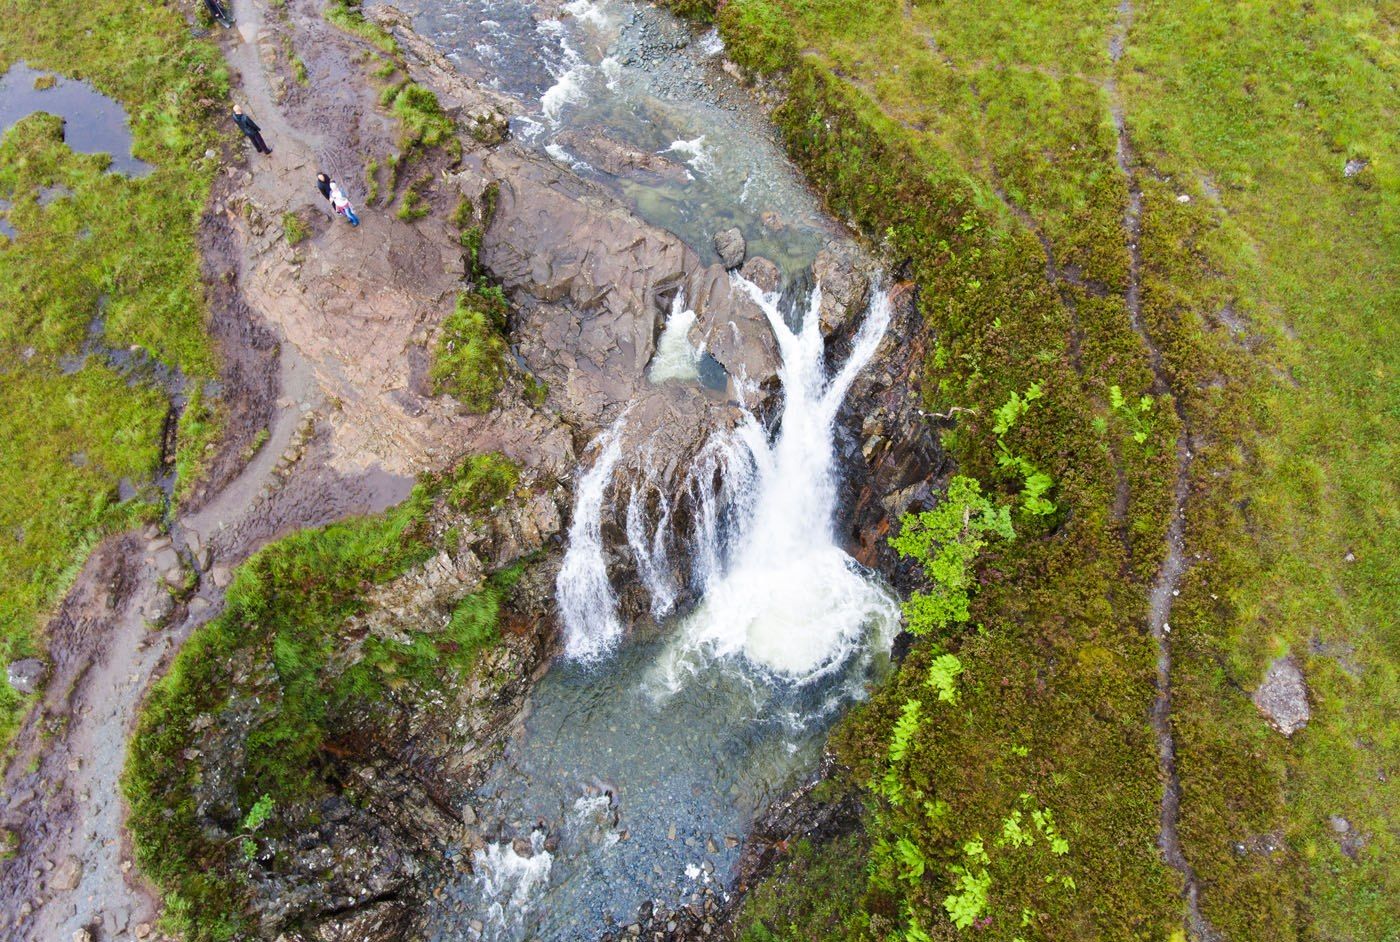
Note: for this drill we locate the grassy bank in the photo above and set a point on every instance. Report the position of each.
(277, 659)
(95, 244)
(979, 145)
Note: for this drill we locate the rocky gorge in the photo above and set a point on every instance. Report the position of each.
(352, 416)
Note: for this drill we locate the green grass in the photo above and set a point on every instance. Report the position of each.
(469, 355)
(346, 15)
(294, 229)
(964, 136)
(278, 651)
(121, 246)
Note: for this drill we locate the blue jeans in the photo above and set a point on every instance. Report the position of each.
(350, 215)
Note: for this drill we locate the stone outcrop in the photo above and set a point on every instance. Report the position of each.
(1283, 697)
(845, 280)
(399, 770)
(601, 152)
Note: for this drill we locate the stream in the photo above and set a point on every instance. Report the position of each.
(645, 758)
(635, 74)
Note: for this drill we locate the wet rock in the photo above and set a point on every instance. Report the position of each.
(387, 921)
(730, 247)
(1283, 697)
(610, 156)
(845, 287)
(763, 273)
(881, 422)
(522, 848)
(26, 675)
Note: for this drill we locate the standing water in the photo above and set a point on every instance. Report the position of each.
(643, 763)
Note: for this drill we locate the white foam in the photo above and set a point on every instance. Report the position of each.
(566, 90)
(612, 72)
(508, 881)
(696, 156)
(588, 12)
(676, 357)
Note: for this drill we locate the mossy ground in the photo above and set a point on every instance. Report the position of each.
(277, 643)
(120, 247)
(978, 143)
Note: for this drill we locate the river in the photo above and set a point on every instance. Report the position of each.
(644, 760)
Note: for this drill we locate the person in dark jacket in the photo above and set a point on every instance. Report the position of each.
(250, 130)
(216, 10)
(323, 183)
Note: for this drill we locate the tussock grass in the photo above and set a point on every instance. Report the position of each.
(469, 356)
(965, 136)
(67, 440)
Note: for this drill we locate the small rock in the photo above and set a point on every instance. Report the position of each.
(1183, 198)
(1354, 166)
(1283, 697)
(26, 674)
(221, 575)
(143, 930)
(730, 247)
(82, 935)
(67, 875)
(522, 848)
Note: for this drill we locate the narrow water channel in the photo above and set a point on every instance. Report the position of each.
(642, 763)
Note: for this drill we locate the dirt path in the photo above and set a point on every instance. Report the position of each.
(1168, 578)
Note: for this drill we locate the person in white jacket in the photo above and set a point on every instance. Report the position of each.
(341, 204)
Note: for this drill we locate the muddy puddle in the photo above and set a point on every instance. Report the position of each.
(93, 122)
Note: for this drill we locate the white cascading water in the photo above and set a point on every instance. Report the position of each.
(506, 879)
(676, 357)
(585, 595)
(777, 589)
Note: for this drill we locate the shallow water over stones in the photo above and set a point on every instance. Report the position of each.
(631, 98)
(93, 123)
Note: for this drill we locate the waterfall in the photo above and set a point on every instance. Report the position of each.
(776, 587)
(651, 553)
(676, 357)
(789, 599)
(586, 600)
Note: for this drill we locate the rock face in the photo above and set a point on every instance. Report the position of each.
(730, 247)
(1283, 697)
(26, 675)
(350, 863)
(889, 446)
